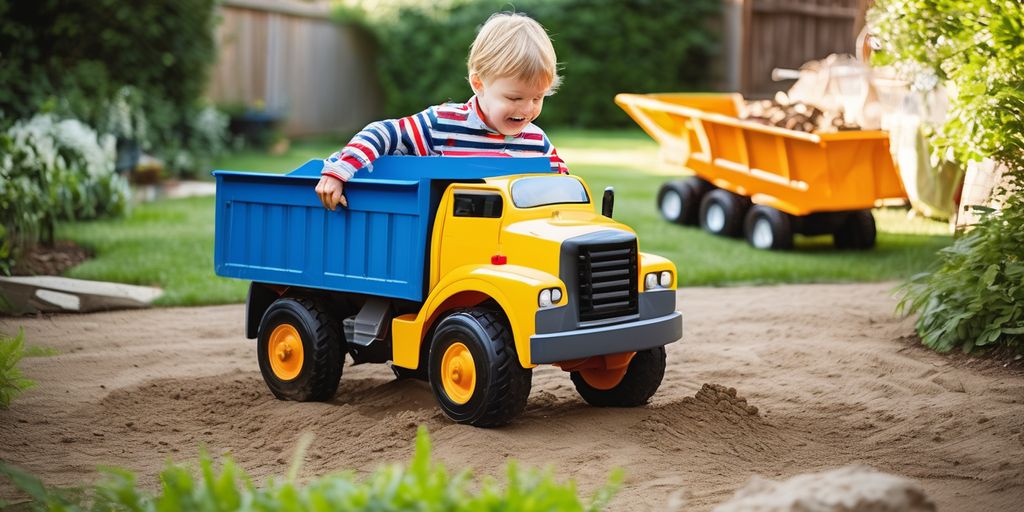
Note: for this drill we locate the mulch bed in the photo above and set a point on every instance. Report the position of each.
(43, 260)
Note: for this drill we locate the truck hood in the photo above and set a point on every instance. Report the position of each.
(539, 240)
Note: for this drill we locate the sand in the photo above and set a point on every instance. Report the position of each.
(771, 381)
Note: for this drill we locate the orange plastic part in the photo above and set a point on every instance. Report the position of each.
(458, 373)
(285, 352)
(600, 372)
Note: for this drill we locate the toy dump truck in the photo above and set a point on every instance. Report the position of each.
(765, 182)
(465, 272)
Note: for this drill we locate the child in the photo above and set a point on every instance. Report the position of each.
(512, 68)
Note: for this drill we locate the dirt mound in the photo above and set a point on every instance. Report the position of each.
(847, 489)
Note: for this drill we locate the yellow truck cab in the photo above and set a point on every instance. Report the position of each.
(516, 270)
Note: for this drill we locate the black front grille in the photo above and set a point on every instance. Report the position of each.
(607, 277)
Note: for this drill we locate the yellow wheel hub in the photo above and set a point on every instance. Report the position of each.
(458, 373)
(285, 352)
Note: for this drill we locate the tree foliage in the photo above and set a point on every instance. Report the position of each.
(975, 296)
(604, 47)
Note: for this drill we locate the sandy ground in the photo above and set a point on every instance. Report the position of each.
(835, 379)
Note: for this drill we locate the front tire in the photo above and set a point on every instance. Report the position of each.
(638, 385)
(300, 351)
(679, 200)
(474, 370)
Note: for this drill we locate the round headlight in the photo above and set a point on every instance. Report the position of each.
(545, 298)
(650, 281)
(556, 295)
(666, 279)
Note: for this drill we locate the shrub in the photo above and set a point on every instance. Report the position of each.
(604, 47)
(975, 296)
(52, 170)
(75, 59)
(424, 486)
(11, 381)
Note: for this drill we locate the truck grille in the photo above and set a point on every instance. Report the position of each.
(607, 277)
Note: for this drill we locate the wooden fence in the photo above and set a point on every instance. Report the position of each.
(290, 57)
(788, 33)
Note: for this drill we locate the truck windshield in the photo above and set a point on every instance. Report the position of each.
(545, 190)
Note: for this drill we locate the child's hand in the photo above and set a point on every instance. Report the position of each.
(330, 190)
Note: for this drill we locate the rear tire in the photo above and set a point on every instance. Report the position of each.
(857, 232)
(306, 343)
(721, 212)
(642, 379)
(477, 344)
(768, 228)
(679, 200)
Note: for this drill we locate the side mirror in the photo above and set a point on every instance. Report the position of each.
(608, 202)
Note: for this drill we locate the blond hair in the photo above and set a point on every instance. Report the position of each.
(514, 45)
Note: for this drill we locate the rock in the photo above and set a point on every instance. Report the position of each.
(847, 489)
(49, 294)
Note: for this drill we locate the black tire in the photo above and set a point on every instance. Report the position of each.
(721, 212)
(642, 379)
(323, 357)
(768, 228)
(857, 232)
(502, 384)
(679, 200)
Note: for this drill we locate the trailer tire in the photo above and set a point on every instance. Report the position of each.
(638, 385)
(679, 200)
(474, 370)
(768, 228)
(857, 232)
(306, 343)
(721, 212)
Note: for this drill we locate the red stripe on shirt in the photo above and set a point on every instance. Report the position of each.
(531, 136)
(454, 152)
(452, 115)
(366, 151)
(353, 161)
(416, 135)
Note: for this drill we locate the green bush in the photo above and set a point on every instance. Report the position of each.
(53, 170)
(423, 486)
(604, 47)
(76, 59)
(975, 295)
(11, 381)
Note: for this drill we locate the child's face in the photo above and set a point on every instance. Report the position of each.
(508, 104)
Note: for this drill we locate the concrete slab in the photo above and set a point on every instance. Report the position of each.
(49, 294)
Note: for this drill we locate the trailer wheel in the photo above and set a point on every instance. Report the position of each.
(474, 370)
(679, 200)
(768, 228)
(856, 232)
(299, 351)
(721, 212)
(642, 378)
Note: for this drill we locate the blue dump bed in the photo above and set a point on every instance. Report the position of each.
(272, 228)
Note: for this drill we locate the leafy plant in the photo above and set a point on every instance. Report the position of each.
(50, 170)
(424, 486)
(973, 298)
(604, 47)
(12, 350)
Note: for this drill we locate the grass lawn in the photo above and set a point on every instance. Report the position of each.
(169, 243)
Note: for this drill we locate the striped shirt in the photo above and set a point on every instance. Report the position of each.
(452, 129)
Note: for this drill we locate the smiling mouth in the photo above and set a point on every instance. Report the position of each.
(517, 119)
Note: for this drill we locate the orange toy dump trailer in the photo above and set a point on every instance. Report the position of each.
(761, 181)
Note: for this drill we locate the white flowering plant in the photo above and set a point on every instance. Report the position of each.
(53, 169)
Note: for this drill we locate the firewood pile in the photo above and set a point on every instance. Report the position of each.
(796, 115)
